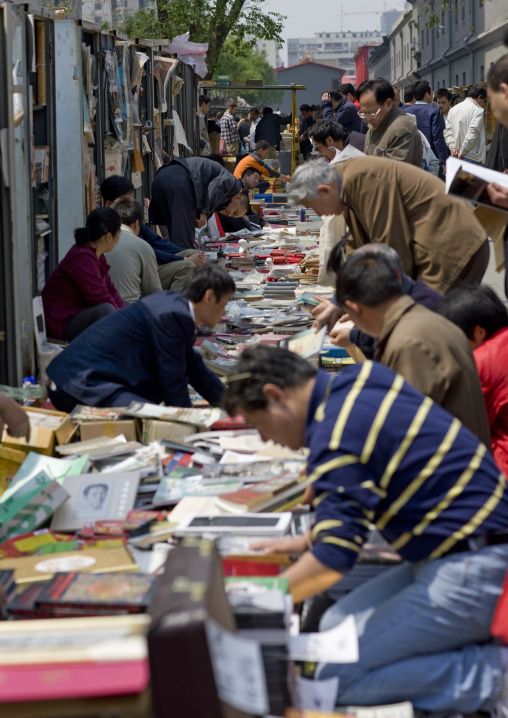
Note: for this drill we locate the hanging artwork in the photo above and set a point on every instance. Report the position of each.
(163, 68)
(140, 59)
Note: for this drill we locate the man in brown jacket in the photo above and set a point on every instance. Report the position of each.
(437, 236)
(392, 133)
(429, 351)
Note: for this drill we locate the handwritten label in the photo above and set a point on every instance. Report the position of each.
(238, 670)
(338, 645)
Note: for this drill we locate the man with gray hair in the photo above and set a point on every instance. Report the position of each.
(328, 311)
(430, 352)
(437, 236)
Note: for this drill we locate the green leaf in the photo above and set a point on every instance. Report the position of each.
(211, 21)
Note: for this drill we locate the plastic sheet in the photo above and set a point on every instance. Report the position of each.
(140, 59)
(17, 100)
(180, 138)
(191, 53)
(163, 68)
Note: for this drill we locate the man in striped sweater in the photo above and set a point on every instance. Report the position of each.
(381, 454)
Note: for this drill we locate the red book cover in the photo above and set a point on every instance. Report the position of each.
(58, 681)
(241, 567)
(185, 461)
(257, 496)
(130, 592)
(108, 528)
(230, 422)
(135, 518)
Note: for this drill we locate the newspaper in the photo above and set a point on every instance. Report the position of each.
(197, 417)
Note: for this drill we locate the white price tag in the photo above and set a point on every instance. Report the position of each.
(338, 645)
(238, 670)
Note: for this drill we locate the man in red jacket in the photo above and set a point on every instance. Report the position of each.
(482, 316)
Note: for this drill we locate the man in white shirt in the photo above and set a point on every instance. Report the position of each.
(204, 106)
(254, 119)
(132, 263)
(464, 131)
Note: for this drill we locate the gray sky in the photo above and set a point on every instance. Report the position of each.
(306, 17)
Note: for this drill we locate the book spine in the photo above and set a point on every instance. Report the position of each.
(60, 584)
(72, 605)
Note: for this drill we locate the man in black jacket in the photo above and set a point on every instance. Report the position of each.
(186, 192)
(306, 123)
(146, 351)
(337, 107)
(268, 129)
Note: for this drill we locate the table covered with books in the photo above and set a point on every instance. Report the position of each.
(128, 577)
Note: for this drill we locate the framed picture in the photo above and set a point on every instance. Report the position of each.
(251, 524)
(96, 497)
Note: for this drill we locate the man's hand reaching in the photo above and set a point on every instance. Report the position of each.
(498, 195)
(198, 258)
(325, 314)
(13, 418)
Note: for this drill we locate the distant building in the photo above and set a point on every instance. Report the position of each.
(457, 52)
(316, 77)
(272, 51)
(388, 20)
(36, 5)
(379, 61)
(337, 49)
(362, 55)
(113, 11)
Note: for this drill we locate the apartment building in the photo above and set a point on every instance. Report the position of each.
(457, 52)
(111, 11)
(336, 49)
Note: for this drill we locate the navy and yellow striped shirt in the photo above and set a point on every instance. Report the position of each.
(382, 453)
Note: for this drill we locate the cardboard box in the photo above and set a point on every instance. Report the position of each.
(10, 461)
(47, 429)
(95, 429)
(155, 430)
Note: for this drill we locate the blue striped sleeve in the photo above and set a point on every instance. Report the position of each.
(346, 500)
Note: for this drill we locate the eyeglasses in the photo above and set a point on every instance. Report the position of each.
(363, 115)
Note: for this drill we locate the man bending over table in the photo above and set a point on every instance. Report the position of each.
(384, 455)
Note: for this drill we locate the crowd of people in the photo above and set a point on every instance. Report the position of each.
(413, 441)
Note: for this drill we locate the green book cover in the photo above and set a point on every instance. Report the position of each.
(30, 506)
(61, 547)
(54, 469)
(271, 583)
(173, 489)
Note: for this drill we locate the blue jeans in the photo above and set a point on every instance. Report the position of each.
(423, 634)
(473, 162)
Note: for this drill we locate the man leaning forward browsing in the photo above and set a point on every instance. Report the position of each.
(146, 353)
(395, 203)
(382, 454)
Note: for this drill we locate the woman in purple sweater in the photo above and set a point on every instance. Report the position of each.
(79, 292)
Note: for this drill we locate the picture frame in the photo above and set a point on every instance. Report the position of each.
(96, 497)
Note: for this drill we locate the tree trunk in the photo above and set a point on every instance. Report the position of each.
(219, 31)
(162, 11)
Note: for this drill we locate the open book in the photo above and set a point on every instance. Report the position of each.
(307, 343)
(469, 181)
